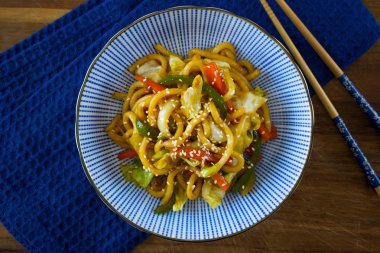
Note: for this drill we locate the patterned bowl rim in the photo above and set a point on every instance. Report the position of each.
(158, 13)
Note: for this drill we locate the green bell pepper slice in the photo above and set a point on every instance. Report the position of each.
(217, 98)
(175, 79)
(146, 130)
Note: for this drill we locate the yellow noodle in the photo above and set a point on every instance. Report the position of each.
(180, 125)
(194, 65)
(206, 128)
(187, 133)
(113, 122)
(157, 194)
(241, 128)
(230, 85)
(144, 159)
(223, 46)
(206, 142)
(266, 116)
(210, 55)
(164, 51)
(230, 138)
(131, 91)
(247, 65)
(152, 119)
(236, 114)
(120, 95)
(137, 95)
(240, 163)
(228, 53)
(119, 140)
(253, 75)
(170, 185)
(181, 181)
(141, 105)
(241, 81)
(158, 146)
(190, 192)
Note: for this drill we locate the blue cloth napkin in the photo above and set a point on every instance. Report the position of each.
(46, 201)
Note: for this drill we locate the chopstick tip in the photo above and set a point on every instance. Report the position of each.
(377, 189)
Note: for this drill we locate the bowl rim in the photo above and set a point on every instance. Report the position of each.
(188, 7)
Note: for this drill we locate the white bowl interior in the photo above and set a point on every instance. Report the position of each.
(180, 30)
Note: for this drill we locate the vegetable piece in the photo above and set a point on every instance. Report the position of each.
(146, 130)
(141, 177)
(264, 133)
(127, 154)
(126, 170)
(164, 115)
(180, 198)
(157, 156)
(212, 194)
(245, 180)
(135, 173)
(217, 134)
(220, 64)
(191, 162)
(217, 98)
(165, 162)
(151, 70)
(176, 64)
(175, 79)
(250, 102)
(161, 209)
(220, 181)
(273, 132)
(191, 98)
(230, 107)
(153, 85)
(198, 154)
(213, 76)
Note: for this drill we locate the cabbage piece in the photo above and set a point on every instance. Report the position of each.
(136, 174)
(220, 64)
(176, 64)
(191, 99)
(141, 177)
(250, 102)
(165, 162)
(157, 156)
(164, 115)
(180, 198)
(191, 162)
(151, 70)
(217, 134)
(230, 176)
(212, 194)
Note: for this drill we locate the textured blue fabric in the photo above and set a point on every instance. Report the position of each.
(46, 201)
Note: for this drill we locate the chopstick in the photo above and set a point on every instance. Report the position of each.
(358, 154)
(332, 65)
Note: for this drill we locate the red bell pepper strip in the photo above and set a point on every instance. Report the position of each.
(213, 76)
(230, 107)
(220, 181)
(198, 154)
(264, 133)
(127, 154)
(153, 85)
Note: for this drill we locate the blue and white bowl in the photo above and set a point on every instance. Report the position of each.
(181, 29)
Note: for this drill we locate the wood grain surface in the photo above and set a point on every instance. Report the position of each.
(333, 209)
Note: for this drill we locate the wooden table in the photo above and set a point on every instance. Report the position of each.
(333, 209)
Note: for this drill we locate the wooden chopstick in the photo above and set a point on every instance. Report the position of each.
(358, 154)
(332, 65)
